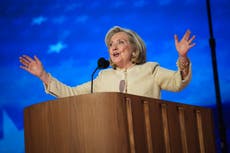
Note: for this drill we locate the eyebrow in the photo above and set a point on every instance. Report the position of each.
(118, 40)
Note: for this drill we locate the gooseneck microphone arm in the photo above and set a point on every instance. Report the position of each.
(92, 79)
(102, 63)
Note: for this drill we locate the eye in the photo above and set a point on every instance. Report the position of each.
(121, 41)
(110, 44)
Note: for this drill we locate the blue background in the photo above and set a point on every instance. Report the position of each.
(68, 37)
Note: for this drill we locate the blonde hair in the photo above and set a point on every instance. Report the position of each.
(139, 53)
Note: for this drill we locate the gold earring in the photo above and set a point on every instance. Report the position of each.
(133, 53)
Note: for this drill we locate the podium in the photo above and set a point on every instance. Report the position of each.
(117, 123)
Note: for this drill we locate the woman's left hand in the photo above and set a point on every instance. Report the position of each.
(185, 44)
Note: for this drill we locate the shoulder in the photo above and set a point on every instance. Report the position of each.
(106, 71)
(148, 65)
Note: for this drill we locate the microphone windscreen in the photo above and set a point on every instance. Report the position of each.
(102, 63)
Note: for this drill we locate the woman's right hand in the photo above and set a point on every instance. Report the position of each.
(33, 66)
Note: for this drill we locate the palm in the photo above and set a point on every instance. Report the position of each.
(185, 44)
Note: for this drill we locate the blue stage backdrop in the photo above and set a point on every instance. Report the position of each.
(68, 37)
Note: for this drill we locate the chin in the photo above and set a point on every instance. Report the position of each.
(116, 61)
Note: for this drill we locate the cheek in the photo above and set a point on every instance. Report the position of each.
(128, 51)
(109, 51)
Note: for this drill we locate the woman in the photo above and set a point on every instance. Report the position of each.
(130, 73)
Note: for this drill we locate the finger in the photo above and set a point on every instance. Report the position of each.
(191, 39)
(187, 35)
(23, 61)
(37, 60)
(176, 39)
(24, 68)
(29, 59)
(192, 45)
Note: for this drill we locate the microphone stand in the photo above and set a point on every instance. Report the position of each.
(102, 63)
(212, 43)
(92, 79)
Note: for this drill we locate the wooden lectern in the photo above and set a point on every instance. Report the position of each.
(117, 123)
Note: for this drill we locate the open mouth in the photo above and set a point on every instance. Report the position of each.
(116, 54)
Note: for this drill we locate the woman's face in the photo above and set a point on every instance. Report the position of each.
(120, 50)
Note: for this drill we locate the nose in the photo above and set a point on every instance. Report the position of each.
(114, 46)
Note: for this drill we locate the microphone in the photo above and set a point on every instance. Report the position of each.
(102, 63)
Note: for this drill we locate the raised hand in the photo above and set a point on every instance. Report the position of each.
(34, 66)
(185, 44)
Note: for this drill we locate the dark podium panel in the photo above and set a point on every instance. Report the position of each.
(117, 123)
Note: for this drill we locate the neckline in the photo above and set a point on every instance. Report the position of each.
(126, 69)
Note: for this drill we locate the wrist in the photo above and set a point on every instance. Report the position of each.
(183, 55)
(44, 76)
(183, 62)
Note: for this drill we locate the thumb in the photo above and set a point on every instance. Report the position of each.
(37, 59)
(176, 39)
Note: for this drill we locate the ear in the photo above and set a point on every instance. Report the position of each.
(134, 52)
